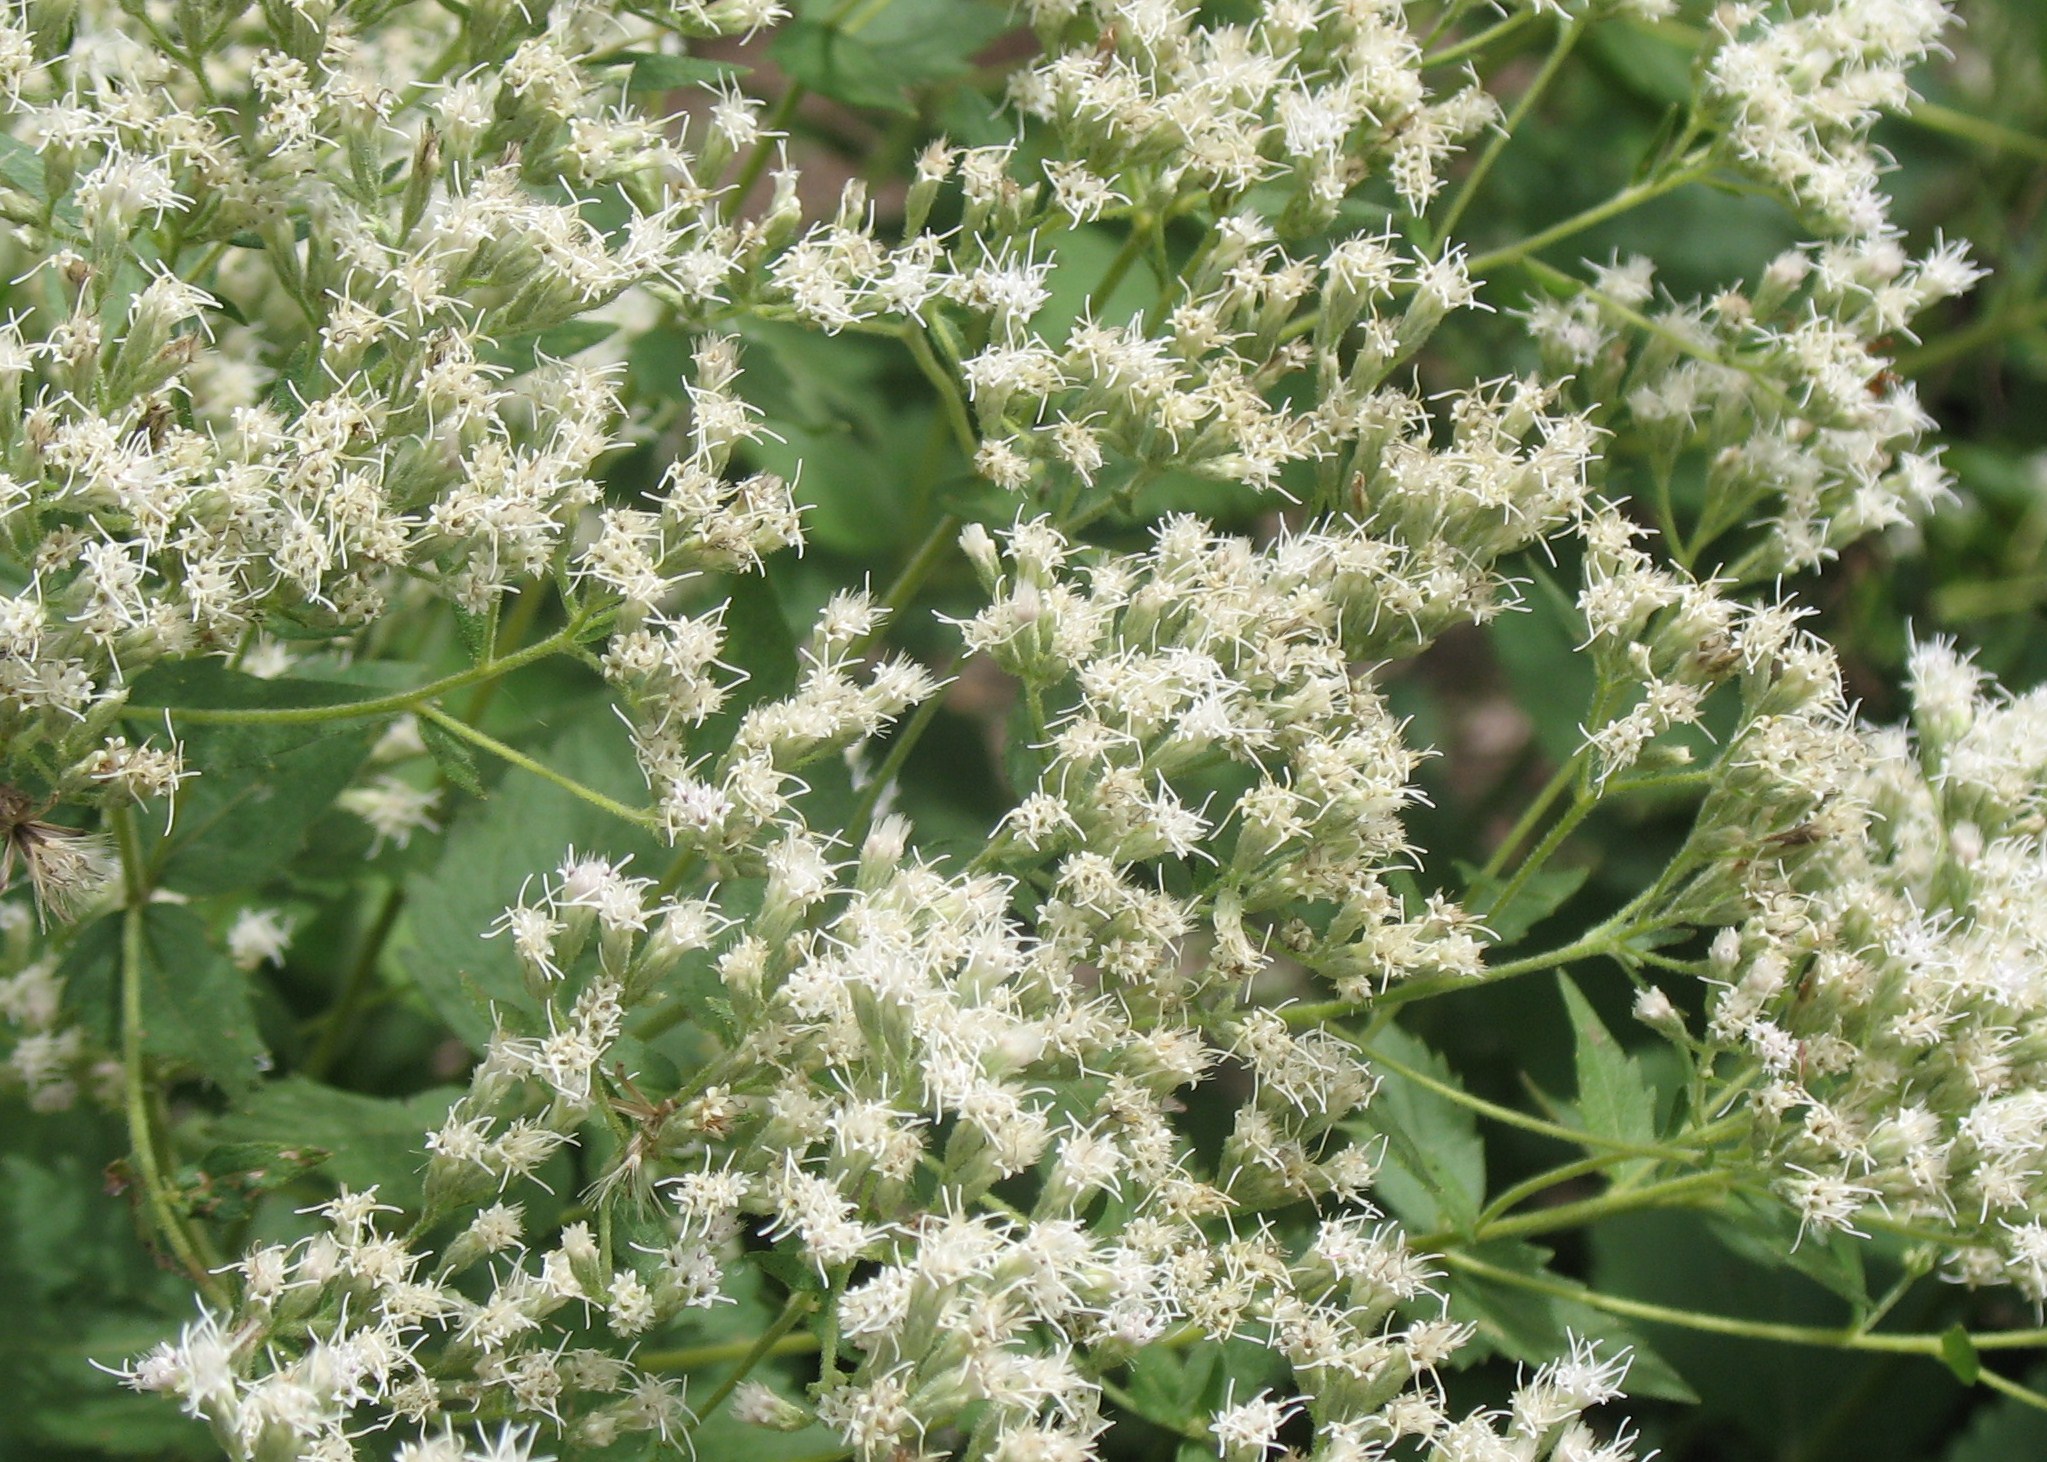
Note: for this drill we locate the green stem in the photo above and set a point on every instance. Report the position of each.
(799, 1306)
(698, 1357)
(384, 705)
(953, 404)
(1471, 45)
(2025, 1394)
(1567, 38)
(519, 759)
(340, 1022)
(1541, 853)
(1980, 130)
(1688, 1188)
(1511, 1198)
(1621, 202)
(1530, 817)
(1507, 1116)
(185, 1242)
(510, 632)
(1845, 1337)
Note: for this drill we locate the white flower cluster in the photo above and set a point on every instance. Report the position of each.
(1804, 440)
(284, 365)
(1880, 981)
(1803, 85)
(897, 1047)
(175, 482)
(1308, 100)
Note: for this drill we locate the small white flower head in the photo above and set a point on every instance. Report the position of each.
(1249, 1430)
(394, 809)
(258, 937)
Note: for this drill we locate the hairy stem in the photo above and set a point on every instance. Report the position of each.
(462, 729)
(186, 1243)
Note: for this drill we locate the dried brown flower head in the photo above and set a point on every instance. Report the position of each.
(66, 865)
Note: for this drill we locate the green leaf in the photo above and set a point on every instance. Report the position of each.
(196, 1010)
(1532, 1327)
(365, 1140)
(657, 73)
(452, 755)
(1171, 1387)
(197, 1015)
(1763, 1231)
(909, 43)
(477, 631)
(260, 787)
(1433, 1175)
(1614, 1097)
(843, 67)
(1958, 1352)
(225, 1184)
(21, 168)
(850, 436)
(1542, 894)
(209, 685)
(492, 850)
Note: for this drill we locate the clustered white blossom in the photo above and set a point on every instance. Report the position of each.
(1878, 997)
(949, 1093)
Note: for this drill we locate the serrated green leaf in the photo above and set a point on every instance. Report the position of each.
(366, 1140)
(259, 792)
(1433, 1175)
(197, 1016)
(1614, 1097)
(1533, 1327)
(1958, 1353)
(656, 73)
(492, 849)
(477, 631)
(261, 787)
(196, 1010)
(453, 757)
(1539, 896)
(1764, 1232)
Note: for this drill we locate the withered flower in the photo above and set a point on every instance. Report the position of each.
(66, 865)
